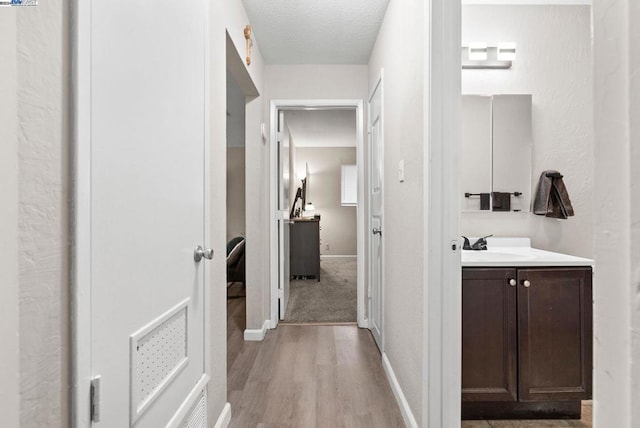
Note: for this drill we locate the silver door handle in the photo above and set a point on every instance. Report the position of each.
(200, 252)
(377, 231)
(526, 283)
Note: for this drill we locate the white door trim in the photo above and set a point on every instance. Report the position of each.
(80, 257)
(273, 235)
(81, 214)
(442, 307)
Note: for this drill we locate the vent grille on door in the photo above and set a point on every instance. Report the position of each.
(197, 417)
(158, 353)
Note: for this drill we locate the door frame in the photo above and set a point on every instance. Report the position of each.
(327, 104)
(442, 308)
(282, 219)
(80, 297)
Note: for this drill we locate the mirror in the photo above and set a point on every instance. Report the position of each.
(495, 160)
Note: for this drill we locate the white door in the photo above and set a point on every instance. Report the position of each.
(148, 211)
(284, 205)
(376, 254)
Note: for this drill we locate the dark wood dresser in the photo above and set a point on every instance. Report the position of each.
(305, 248)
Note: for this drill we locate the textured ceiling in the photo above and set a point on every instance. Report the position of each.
(322, 128)
(316, 31)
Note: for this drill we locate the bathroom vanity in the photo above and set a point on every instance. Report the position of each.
(527, 326)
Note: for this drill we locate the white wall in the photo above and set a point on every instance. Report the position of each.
(617, 213)
(235, 21)
(236, 103)
(9, 254)
(338, 224)
(554, 64)
(258, 223)
(316, 82)
(43, 150)
(401, 55)
(235, 192)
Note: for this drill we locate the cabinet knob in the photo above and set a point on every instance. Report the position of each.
(526, 283)
(512, 282)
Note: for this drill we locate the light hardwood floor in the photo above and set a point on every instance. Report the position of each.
(307, 376)
(585, 422)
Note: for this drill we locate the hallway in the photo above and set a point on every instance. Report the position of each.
(306, 376)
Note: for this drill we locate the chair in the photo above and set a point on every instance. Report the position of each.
(235, 261)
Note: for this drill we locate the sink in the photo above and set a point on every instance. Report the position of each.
(495, 256)
(517, 252)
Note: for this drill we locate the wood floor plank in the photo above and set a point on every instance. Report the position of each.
(308, 376)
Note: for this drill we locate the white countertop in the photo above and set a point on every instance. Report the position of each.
(517, 252)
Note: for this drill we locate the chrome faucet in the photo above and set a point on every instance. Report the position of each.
(480, 244)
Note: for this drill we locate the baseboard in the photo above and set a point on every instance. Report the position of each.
(225, 417)
(405, 410)
(257, 335)
(330, 256)
(363, 323)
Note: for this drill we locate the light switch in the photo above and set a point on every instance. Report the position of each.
(401, 171)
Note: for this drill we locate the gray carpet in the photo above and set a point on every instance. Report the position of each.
(333, 299)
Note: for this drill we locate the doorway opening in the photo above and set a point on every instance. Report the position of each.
(549, 127)
(240, 93)
(317, 249)
(320, 171)
(236, 211)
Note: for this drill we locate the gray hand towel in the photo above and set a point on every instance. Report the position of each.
(552, 199)
(501, 201)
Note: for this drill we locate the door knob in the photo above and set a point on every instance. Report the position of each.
(526, 283)
(200, 252)
(512, 282)
(377, 231)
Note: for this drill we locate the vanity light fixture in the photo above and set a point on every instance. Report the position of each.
(506, 51)
(479, 55)
(478, 51)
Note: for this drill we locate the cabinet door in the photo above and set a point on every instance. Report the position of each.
(555, 334)
(489, 329)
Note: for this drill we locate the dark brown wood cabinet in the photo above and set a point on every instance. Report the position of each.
(489, 335)
(304, 241)
(555, 330)
(526, 341)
